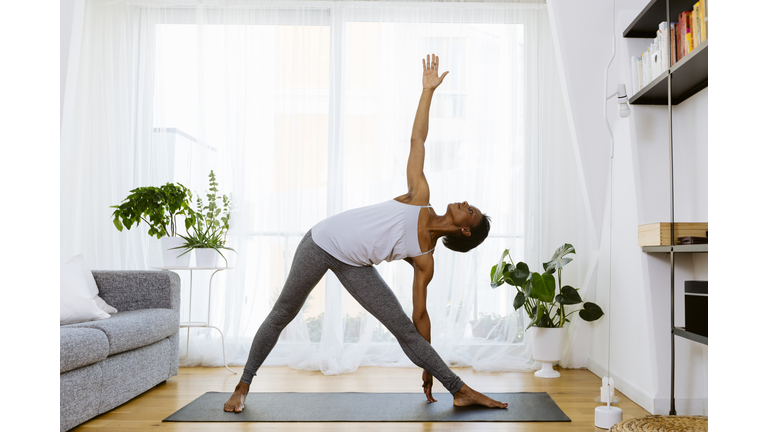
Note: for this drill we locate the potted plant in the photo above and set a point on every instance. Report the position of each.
(158, 208)
(545, 301)
(208, 232)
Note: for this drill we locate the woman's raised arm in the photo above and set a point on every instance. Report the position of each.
(417, 182)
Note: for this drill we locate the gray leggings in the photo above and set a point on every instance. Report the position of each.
(367, 287)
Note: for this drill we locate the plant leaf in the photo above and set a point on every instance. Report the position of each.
(494, 282)
(519, 300)
(543, 287)
(540, 311)
(497, 276)
(558, 259)
(568, 296)
(520, 274)
(591, 312)
(545, 321)
(528, 288)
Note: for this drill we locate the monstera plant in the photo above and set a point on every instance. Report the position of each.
(544, 297)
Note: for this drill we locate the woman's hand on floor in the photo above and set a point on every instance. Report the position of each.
(427, 378)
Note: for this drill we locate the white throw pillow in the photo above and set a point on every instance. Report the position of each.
(76, 304)
(93, 289)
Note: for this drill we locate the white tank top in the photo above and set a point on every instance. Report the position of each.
(369, 235)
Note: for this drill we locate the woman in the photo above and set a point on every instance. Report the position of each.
(350, 243)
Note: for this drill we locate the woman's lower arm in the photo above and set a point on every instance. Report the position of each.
(421, 122)
(423, 326)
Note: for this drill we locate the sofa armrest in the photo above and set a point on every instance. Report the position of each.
(127, 290)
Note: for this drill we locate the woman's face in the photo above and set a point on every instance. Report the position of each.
(464, 215)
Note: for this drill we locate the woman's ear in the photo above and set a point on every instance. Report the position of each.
(466, 232)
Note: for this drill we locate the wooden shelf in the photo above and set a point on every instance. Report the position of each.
(699, 248)
(680, 331)
(689, 76)
(647, 22)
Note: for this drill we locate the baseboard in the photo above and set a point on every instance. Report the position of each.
(692, 406)
(683, 406)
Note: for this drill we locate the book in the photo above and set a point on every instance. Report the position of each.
(656, 58)
(675, 58)
(647, 67)
(652, 59)
(693, 240)
(704, 29)
(692, 27)
(673, 41)
(664, 46)
(633, 70)
(680, 36)
(687, 41)
(695, 25)
(639, 68)
(702, 37)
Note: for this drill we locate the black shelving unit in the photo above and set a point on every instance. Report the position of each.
(689, 77)
(684, 79)
(647, 22)
(680, 331)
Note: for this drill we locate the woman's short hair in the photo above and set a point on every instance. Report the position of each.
(462, 243)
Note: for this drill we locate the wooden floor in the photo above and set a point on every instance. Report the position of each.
(574, 392)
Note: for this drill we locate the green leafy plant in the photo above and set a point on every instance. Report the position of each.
(157, 207)
(543, 298)
(210, 223)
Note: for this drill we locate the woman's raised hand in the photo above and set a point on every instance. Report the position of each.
(431, 79)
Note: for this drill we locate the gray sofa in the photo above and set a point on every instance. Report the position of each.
(108, 362)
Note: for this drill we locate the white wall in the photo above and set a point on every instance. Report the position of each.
(587, 46)
(638, 321)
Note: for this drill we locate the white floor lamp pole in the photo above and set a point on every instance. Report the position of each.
(607, 416)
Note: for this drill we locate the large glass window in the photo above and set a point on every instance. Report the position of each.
(321, 123)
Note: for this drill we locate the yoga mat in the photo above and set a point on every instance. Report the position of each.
(368, 407)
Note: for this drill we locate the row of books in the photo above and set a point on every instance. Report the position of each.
(687, 33)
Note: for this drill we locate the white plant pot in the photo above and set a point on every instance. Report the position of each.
(171, 257)
(206, 258)
(547, 349)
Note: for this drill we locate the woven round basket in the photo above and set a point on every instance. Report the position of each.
(658, 423)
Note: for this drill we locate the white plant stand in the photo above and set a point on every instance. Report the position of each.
(206, 323)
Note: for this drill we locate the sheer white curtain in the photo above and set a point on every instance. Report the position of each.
(304, 109)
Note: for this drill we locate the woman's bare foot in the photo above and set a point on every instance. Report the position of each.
(466, 396)
(236, 402)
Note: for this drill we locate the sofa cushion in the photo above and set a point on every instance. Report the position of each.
(133, 329)
(80, 347)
